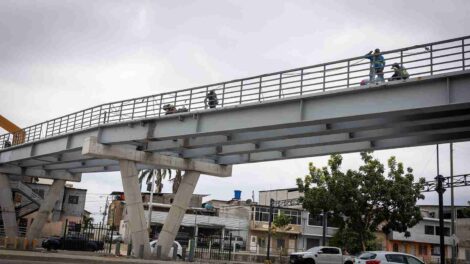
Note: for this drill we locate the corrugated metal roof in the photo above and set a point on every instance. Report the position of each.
(231, 223)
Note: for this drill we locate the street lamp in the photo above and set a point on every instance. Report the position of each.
(440, 190)
(271, 205)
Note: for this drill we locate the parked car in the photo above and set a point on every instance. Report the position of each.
(72, 243)
(321, 255)
(386, 257)
(179, 250)
(114, 237)
(236, 241)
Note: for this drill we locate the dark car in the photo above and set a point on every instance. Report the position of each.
(72, 243)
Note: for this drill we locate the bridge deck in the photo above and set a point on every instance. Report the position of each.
(276, 116)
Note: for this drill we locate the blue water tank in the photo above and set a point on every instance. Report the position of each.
(238, 194)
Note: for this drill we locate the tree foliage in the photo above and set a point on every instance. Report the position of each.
(146, 175)
(281, 220)
(365, 200)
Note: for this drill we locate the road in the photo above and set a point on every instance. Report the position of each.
(20, 261)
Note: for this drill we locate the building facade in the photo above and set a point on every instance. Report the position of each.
(69, 208)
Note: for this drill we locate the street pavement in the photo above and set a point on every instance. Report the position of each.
(75, 257)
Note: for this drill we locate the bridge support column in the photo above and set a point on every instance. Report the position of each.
(45, 209)
(177, 211)
(135, 209)
(8, 208)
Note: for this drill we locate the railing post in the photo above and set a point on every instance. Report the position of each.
(133, 109)
(176, 95)
(430, 59)
(347, 77)
(280, 85)
(324, 77)
(67, 124)
(207, 91)
(146, 107)
(109, 112)
(223, 95)
(241, 92)
(160, 107)
(91, 115)
(301, 81)
(401, 58)
(259, 88)
(190, 99)
(120, 111)
(463, 54)
(99, 115)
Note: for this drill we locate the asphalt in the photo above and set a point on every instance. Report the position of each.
(75, 257)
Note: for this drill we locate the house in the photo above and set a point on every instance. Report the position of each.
(69, 208)
(304, 231)
(200, 221)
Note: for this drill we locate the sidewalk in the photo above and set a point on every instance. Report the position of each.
(72, 257)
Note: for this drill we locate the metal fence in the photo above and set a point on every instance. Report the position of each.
(420, 60)
(87, 237)
(215, 247)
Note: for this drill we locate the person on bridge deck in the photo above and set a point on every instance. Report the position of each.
(377, 65)
(399, 73)
(211, 99)
(169, 109)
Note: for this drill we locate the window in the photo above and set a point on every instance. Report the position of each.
(73, 199)
(423, 249)
(446, 231)
(262, 214)
(40, 192)
(412, 260)
(312, 242)
(429, 230)
(330, 250)
(436, 250)
(397, 258)
(281, 243)
(315, 220)
(368, 255)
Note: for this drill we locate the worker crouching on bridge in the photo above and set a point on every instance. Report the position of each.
(399, 73)
(377, 65)
(211, 99)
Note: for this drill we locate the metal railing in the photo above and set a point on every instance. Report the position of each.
(420, 60)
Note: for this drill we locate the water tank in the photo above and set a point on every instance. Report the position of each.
(237, 195)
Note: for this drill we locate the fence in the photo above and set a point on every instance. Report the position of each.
(420, 60)
(87, 237)
(215, 247)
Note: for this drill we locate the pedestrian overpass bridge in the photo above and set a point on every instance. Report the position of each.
(303, 112)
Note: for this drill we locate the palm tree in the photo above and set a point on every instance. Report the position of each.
(146, 175)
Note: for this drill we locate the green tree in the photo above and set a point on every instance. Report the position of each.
(365, 200)
(281, 220)
(146, 175)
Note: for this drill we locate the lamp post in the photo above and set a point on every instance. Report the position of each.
(270, 219)
(440, 190)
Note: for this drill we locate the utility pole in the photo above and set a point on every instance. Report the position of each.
(268, 251)
(152, 190)
(452, 226)
(440, 190)
(324, 223)
(105, 212)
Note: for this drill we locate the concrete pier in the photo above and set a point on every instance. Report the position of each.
(177, 211)
(45, 209)
(8, 208)
(135, 208)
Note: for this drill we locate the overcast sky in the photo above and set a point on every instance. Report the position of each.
(60, 56)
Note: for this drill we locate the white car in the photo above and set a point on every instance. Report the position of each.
(179, 250)
(320, 255)
(386, 257)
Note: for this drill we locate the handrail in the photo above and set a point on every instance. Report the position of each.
(437, 57)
